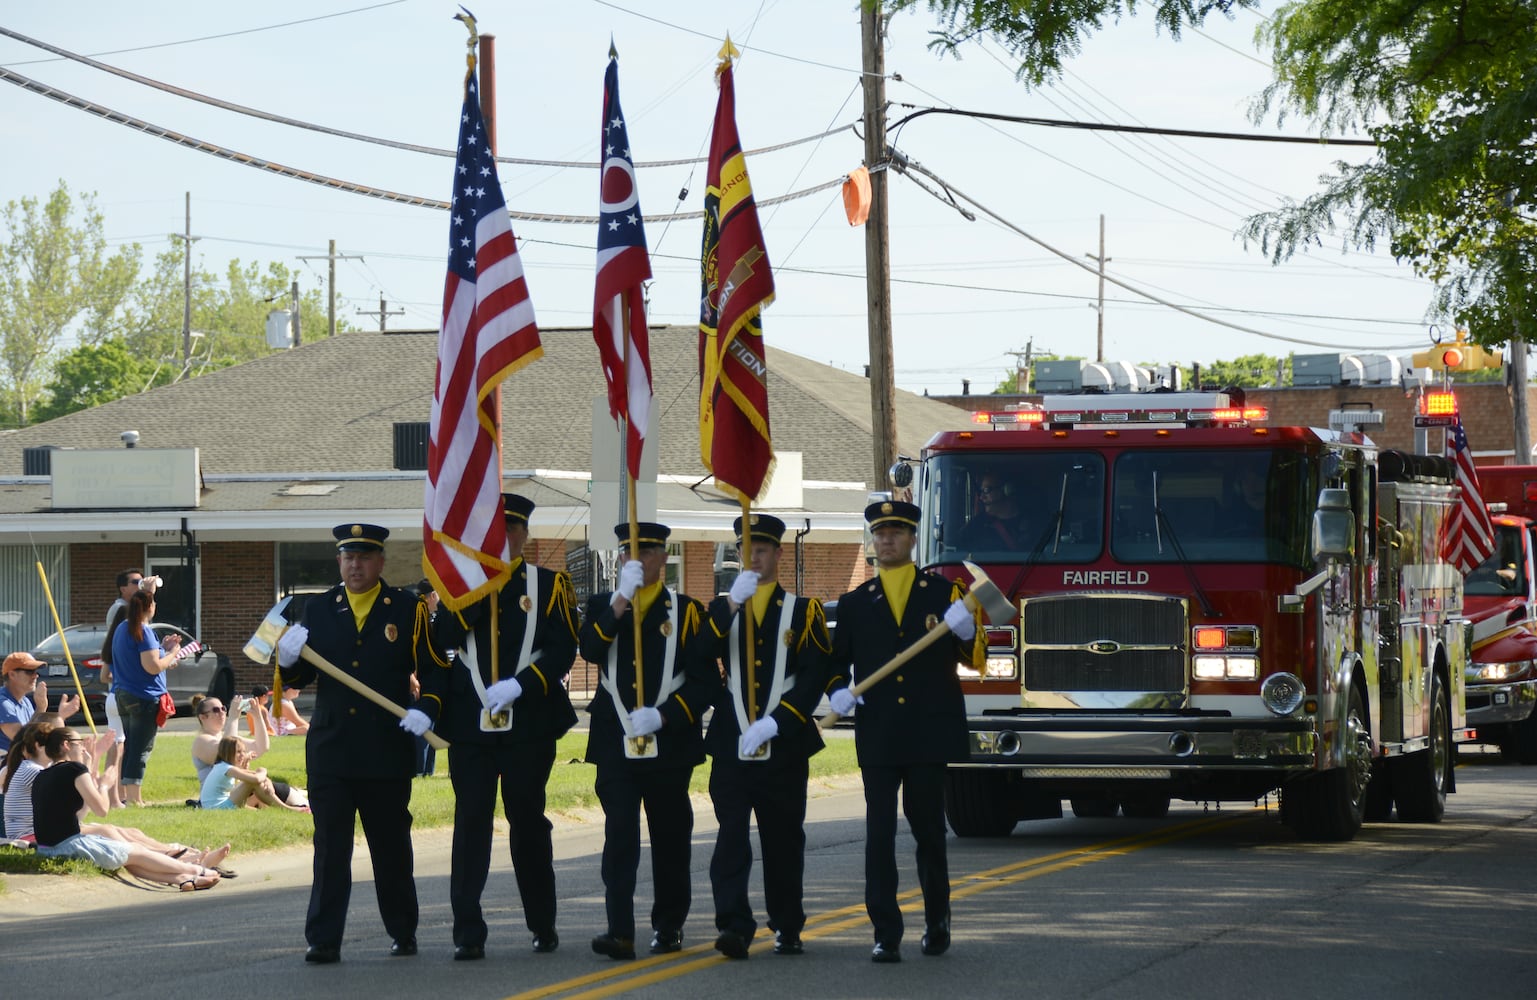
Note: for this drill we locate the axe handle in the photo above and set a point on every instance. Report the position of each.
(432, 738)
(933, 636)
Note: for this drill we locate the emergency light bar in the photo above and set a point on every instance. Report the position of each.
(1220, 416)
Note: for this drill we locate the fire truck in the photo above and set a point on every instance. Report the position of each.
(1501, 600)
(1210, 609)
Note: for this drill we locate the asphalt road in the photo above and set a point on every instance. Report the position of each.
(1201, 904)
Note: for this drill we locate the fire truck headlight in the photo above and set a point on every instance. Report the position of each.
(1225, 668)
(1209, 668)
(1002, 668)
(1490, 671)
(1242, 668)
(1282, 693)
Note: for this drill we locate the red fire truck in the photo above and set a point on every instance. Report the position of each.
(1501, 601)
(1211, 609)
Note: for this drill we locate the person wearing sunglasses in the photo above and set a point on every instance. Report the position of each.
(22, 696)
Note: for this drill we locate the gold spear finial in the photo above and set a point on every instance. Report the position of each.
(727, 53)
(474, 42)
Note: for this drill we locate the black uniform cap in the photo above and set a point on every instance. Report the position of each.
(892, 512)
(360, 537)
(765, 528)
(516, 507)
(647, 533)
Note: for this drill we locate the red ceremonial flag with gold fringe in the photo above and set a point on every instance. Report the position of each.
(488, 333)
(736, 284)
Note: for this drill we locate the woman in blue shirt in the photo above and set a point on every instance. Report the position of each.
(138, 670)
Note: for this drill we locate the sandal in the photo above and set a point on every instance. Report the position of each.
(180, 850)
(226, 872)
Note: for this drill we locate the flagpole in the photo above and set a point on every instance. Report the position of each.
(624, 461)
(747, 622)
(488, 112)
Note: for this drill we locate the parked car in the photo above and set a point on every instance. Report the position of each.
(204, 672)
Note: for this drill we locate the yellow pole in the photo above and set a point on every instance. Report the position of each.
(64, 641)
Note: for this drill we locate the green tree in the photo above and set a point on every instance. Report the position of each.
(1042, 33)
(1252, 371)
(55, 275)
(93, 374)
(1448, 90)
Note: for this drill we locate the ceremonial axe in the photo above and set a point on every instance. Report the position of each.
(983, 596)
(264, 643)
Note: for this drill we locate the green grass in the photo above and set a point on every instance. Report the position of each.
(169, 781)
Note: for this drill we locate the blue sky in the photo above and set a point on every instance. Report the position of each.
(966, 294)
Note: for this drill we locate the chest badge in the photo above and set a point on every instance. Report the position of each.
(526, 604)
(931, 621)
(789, 638)
(391, 632)
(666, 628)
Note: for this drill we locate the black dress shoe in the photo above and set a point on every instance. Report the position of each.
(546, 942)
(665, 942)
(614, 947)
(731, 944)
(936, 938)
(885, 954)
(788, 946)
(323, 954)
(469, 952)
(403, 947)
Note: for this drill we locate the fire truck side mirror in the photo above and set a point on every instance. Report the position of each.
(1334, 526)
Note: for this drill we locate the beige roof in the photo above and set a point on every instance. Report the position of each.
(328, 409)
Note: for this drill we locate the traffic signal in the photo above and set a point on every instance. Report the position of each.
(1460, 356)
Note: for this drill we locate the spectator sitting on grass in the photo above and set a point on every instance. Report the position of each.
(291, 722)
(28, 759)
(215, 721)
(257, 714)
(67, 788)
(231, 784)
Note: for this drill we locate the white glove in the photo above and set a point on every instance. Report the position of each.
(290, 644)
(958, 617)
(842, 701)
(501, 695)
(631, 575)
(645, 721)
(743, 587)
(759, 733)
(416, 722)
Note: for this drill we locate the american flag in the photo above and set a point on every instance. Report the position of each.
(488, 333)
(1469, 532)
(619, 306)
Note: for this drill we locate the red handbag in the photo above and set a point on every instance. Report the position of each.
(166, 710)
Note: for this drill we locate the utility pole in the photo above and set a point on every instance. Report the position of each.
(1099, 342)
(331, 258)
(1518, 408)
(186, 314)
(298, 335)
(883, 418)
(382, 313)
(1022, 368)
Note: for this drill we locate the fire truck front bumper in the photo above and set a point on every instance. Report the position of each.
(1491, 704)
(1154, 744)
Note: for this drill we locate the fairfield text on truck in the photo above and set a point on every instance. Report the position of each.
(1211, 609)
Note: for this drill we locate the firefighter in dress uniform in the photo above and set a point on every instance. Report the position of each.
(359, 757)
(645, 750)
(760, 767)
(907, 726)
(503, 728)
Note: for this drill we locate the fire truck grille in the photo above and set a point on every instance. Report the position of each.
(1112, 643)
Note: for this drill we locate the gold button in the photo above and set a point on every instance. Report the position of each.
(354, 663)
(901, 701)
(899, 678)
(352, 711)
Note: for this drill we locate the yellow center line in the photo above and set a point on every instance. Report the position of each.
(650, 971)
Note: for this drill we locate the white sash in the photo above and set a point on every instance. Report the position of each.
(525, 653)
(669, 659)
(780, 683)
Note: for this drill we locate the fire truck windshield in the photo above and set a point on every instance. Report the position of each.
(1041, 507)
(1210, 505)
(1503, 572)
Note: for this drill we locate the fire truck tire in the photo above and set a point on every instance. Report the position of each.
(1145, 806)
(1520, 745)
(979, 803)
(1332, 805)
(1420, 780)
(1095, 808)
